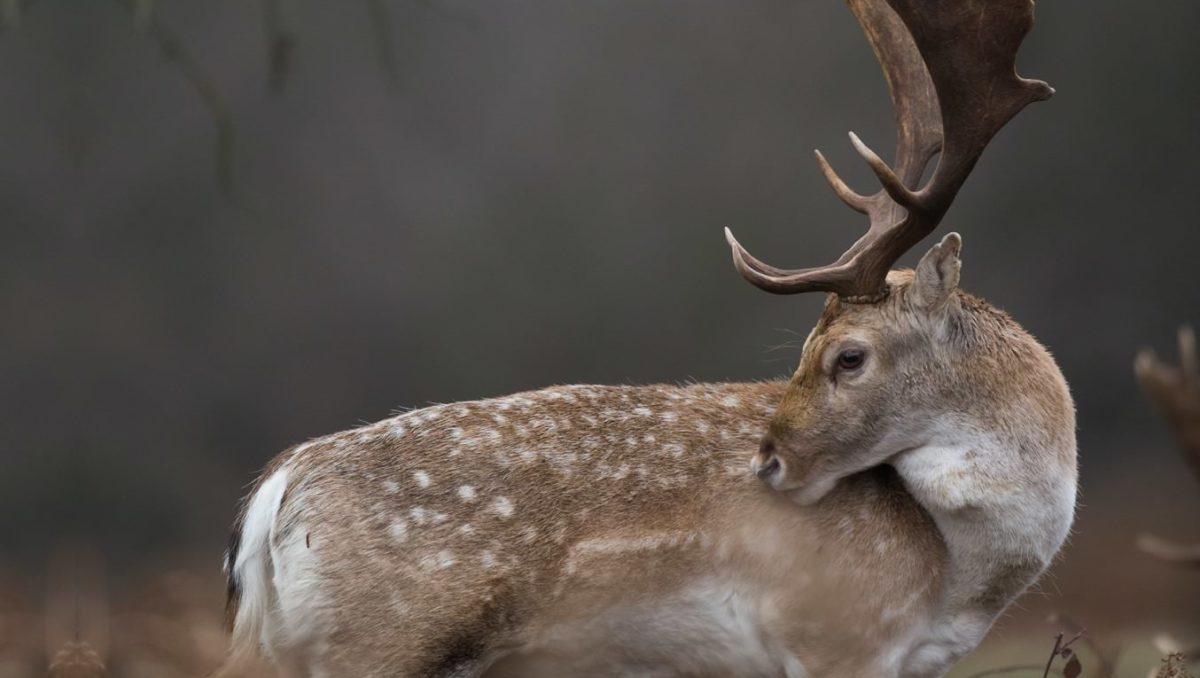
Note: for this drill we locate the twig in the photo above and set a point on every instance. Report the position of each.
(1175, 391)
(1060, 649)
(1187, 555)
(281, 45)
(173, 51)
(385, 46)
(12, 13)
(1053, 653)
(1106, 657)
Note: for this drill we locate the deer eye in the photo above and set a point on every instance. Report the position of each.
(851, 359)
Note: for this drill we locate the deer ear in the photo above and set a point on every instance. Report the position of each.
(937, 274)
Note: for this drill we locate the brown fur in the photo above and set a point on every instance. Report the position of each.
(596, 530)
(971, 355)
(659, 469)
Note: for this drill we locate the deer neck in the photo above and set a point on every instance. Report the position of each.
(1004, 506)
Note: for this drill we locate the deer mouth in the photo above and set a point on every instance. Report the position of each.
(803, 486)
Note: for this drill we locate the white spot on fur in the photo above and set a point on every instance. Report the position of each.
(422, 479)
(399, 530)
(418, 515)
(391, 486)
(487, 559)
(466, 493)
(502, 507)
(642, 411)
(437, 561)
(731, 401)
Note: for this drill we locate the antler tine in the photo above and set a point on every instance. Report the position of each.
(1189, 363)
(891, 183)
(950, 68)
(854, 200)
(1175, 392)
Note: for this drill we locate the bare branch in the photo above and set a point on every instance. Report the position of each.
(173, 51)
(12, 13)
(1186, 555)
(1175, 391)
(385, 46)
(281, 45)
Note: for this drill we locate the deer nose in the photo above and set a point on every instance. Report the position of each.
(769, 465)
(768, 469)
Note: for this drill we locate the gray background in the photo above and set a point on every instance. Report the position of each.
(535, 197)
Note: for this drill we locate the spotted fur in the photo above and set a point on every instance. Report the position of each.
(585, 503)
(600, 530)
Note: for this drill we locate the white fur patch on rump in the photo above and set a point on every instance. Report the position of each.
(252, 568)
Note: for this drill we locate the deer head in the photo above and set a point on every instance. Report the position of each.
(895, 352)
(872, 378)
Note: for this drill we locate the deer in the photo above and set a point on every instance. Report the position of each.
(1175, 393)
(872, 515)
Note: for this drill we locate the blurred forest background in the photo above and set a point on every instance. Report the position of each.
(231, 226)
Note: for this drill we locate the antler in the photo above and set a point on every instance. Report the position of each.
(950, 67)
(1175, 391)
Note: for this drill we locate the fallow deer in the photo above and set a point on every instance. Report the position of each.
(1175, 391)
(917, 472)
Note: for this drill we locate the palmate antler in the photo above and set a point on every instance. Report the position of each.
(950, 67)
(1175, 391)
